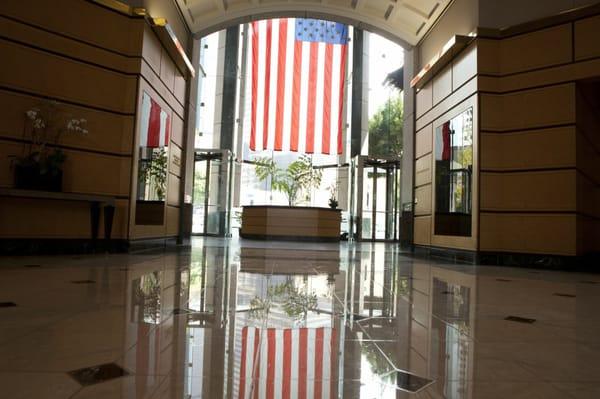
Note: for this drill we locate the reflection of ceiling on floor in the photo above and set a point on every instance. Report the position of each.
(405, 20)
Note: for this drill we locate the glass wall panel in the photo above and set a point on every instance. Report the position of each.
(454, 175)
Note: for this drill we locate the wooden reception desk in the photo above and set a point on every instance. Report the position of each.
(269, 222)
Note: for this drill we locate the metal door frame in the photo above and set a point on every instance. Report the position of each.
(209, 155)
(360, 162)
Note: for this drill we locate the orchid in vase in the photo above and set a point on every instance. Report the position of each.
(40, 166)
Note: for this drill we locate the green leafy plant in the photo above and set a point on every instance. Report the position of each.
(385, 129)
(298, 178)
(154, 172)
(296, 302)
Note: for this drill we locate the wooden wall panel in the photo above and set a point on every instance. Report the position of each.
(82, 20)
(96, 173)
(533, 149)
(529, 233)
(177, 130)
(423, 200)
(538, 49)
(108, 132)
(529, 191)
(180, 87)
(588, 231)
(488, 56)
(157, 84)
(84, 172)
(464, 67)
(423, 170)
(175, 159)
(424, 100)
(167, 71)
(545, 107)
(442, 85)
(32, 218)
(173, 193)
(424, 141)
(172, 221)
(37, 37)
(587, 32)
(464, 93)
(8, 150)
(152, 49)
(423, 230)
(588, 158)
(588, 197)
(36, 71)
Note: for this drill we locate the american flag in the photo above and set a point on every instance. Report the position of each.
(298, 71)
(155, 124)
(287, 363)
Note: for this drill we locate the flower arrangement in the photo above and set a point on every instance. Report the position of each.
(39, 167)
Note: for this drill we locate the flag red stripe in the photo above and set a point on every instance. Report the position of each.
(341, 99)
(287, 362)
(256, 365)
(271, 347)
(283, 26)
(333, 375)
(267, 83)
(312, 97)
(243, 363)
(154, 125)
(302, 366)
(319, 363)
(296, 95)
(254, 84)
(327, 99)
(167, 130)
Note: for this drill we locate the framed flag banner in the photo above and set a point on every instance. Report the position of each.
(153, 155)
(297, 78)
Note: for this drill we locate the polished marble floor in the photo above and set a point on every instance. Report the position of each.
(244, 319)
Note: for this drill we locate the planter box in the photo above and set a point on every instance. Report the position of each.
(29, 178)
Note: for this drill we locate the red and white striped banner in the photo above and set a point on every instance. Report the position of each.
(298, 73)
(155, 124)
(287, 363)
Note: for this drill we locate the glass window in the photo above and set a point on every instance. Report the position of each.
(454, 175)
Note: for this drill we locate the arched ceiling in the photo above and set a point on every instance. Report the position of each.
(404, 21)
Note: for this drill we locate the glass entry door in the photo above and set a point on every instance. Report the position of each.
(376, 190)
(211, 193)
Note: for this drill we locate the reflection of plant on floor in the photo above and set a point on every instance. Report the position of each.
(379, 364)
(297, 179)
(147, 292)
(154, 172)
(294, 301)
